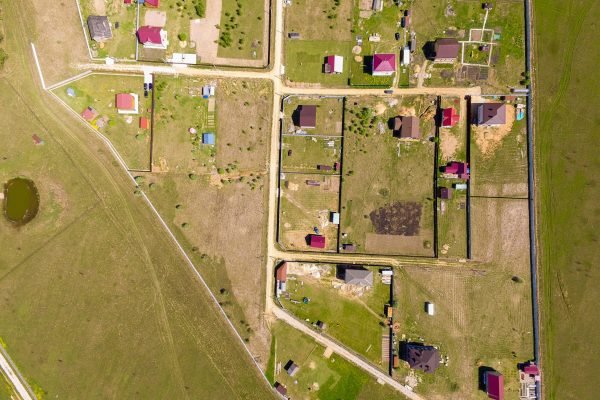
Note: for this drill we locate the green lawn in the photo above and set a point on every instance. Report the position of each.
(354, 321)
(328, 18)
(99, 91)
(308, 152)
(379, 170)
(566, 151)
(122, 45)
(242, 23)
(319, 377)
(304, 61)
(176, 111)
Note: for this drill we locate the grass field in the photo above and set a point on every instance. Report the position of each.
(320, 377)
(499, 159)
(122, 45)
(380, 171)
(355, 321)
(568, 215)
(304, 61)
(308, 152)
(242, 27)
(99, 91)
(121, 313)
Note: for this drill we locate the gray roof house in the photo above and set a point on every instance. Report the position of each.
(291, 368)
(99, 27)
(358, 277)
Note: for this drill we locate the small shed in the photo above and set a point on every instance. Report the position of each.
(429, 308)
(406, 56)
(460, 186)
(208, 138)
(321, 325)
(282, 390)
(349, 247)
(445, 193)
(323, 167)
(144, 123)
(291, 368)
(334, 218)
(334, 65)
(89, 114)
(293, 35)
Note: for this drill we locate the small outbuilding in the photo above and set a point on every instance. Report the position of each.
(333, 65)
(294, 35)
(282, 390)
(89, 114)
(208, 138)
(334, 218)
(494, 385)
(430, 308)
(449, 117)
(291, 368)
(144, 123)
(349, 247)
(99, 28)
(445, 193)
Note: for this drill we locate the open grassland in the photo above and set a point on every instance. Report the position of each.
(568, 215)
(242, 29)
(99, 91)
(499, 159)
(304, 61)
(321, 377)
(329, 115)
(433, 19)
(300, 153)
(121, 314)
(305, 207)
(381, 171)
(219, 215)
(122, 45)
(356, 321)
(56, 32)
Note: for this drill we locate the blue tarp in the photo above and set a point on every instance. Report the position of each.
(208, 138)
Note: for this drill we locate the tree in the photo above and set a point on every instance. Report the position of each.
(182, 37)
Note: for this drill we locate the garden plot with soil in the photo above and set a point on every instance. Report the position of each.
(387, 188)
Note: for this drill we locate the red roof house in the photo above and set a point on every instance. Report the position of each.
(89, 114)
(316, 241)
(144, 123)
(127, 103)
(153, 37)
(281, 274)
(152, 3)
(384, 64)
(494, 385)
(127, 1)
(334, 65)
(457, 168)
(449, 117)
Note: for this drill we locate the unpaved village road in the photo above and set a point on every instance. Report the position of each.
(343, 352)
(14, 378)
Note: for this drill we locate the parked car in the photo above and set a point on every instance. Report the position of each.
(397, 35)
(388, 91)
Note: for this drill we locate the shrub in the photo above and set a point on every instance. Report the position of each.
(182, 37)
(3, 57)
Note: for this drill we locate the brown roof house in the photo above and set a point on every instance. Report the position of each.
(421, 357)
(99, 27)
(489, 114)
(446, 50)
(305, 116)
(406, 127)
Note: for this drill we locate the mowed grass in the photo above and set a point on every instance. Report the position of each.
(243, 21)
(179, 107)
(303, 154)
(99, 91)
(304, 207)
(122, 45)
(354, 321)
(318, 19)
(567, 162)
(328, 378)
(121, 313)
(379, 170)
(304, 61)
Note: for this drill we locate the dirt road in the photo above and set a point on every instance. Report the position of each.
(343, 352)
(15, 378)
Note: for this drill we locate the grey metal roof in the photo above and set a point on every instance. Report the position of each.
(359, 277)
(99, 27)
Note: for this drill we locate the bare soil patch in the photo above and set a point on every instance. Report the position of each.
(449, 144)
(401, 218)
(489, 138)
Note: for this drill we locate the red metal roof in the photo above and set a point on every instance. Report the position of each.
(317, 241)
(152, 3)
(144, 123)
(531, 369)
(449, 117)
(384, 62)
(494, 385)
(127, 1)
(281, 274)
(125, 101)
(89, 114)
(149, 34)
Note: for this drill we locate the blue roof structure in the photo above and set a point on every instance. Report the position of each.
(208, 138)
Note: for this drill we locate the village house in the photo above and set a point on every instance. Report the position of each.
(127, 103)
(99, 28)
(421, 357)
(449, 117)
(383, 64)
(529, 377)
(333, 65)
(282, 390)
(460, 169)
(305, 116)
(446, 51)
(89, 114)
(494, 385)
(150, 3)
(153, 37)
(316, 241)
(291, 368)
(280, 279)
(489, 114)
(358, 277)
(406, 127)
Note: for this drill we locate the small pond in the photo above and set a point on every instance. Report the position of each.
(21, 200)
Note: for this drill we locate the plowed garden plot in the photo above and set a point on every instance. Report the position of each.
(402, 218)
(307, 201)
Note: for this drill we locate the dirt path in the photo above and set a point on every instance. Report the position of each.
(14, 377)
